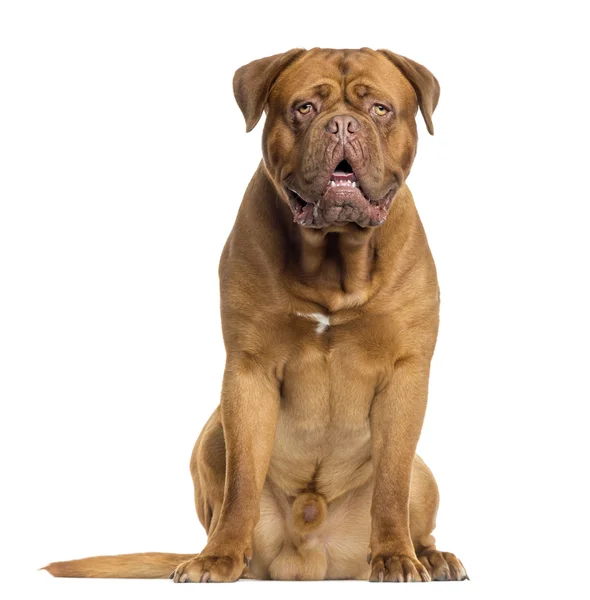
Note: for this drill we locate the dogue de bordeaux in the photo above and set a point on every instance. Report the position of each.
(330, 307)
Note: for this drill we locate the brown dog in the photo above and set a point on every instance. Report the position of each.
(329, 304)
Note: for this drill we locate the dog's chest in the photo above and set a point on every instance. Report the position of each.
(330, 375)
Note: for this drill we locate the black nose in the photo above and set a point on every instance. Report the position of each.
(343, 125)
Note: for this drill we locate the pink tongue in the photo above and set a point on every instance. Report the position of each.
(342, 176)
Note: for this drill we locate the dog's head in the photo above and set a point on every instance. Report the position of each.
(340, 132)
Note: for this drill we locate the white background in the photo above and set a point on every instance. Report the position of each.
(123, 160)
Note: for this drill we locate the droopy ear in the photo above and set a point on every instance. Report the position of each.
(253, 81)
(424, 83)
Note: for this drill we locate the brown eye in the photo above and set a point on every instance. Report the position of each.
(305, 109)
(380, 110)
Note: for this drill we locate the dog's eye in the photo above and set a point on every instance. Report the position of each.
(305, 109)
(380, 110)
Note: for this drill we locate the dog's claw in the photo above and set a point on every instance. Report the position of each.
(442, 566)
(400, 568)
(205, 568)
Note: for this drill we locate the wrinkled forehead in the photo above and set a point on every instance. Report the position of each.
(332, 74)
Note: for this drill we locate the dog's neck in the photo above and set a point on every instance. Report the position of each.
(341, 259)
(335, 268)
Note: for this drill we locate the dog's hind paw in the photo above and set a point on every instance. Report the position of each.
(443, 566)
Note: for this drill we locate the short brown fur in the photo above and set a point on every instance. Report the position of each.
(307, 469)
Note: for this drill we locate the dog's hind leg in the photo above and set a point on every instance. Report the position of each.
(208, 472)
(442, 566)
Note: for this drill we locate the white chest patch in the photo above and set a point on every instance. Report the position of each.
(323, 322)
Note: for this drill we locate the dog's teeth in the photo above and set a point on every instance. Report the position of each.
(332, 183)
(354, 184)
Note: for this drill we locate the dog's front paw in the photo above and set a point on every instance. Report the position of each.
(220, 566)
(397, 567)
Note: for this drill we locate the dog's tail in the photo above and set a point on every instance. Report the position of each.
(309, 510)
(147, 565)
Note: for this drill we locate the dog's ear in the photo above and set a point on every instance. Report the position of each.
(424, 83)
(253, 81)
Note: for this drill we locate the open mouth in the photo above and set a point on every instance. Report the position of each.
(343, 176)
(342, 201)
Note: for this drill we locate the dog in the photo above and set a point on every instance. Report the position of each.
(330, 308)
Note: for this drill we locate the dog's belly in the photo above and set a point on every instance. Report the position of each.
(323, 440)
(328, 459)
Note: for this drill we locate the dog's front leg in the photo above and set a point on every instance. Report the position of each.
(249, 412)
(396, 420)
